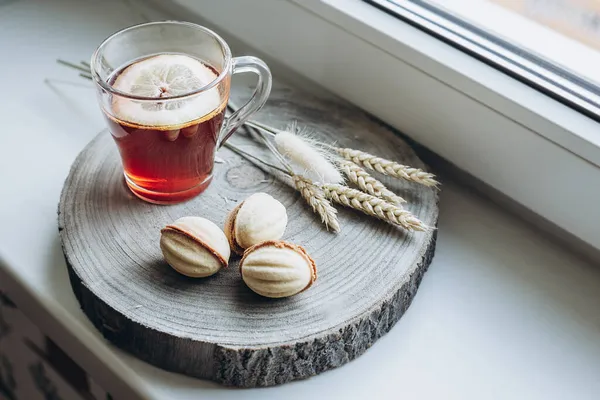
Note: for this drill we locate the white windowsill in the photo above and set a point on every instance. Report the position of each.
(503, 312)
(538, 152)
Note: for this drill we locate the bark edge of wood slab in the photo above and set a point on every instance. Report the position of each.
(216, 328)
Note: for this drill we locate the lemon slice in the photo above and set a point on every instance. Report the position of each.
(161, 77)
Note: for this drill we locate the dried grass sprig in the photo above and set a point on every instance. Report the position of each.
(305, 153)
(387, 167)
(374, 206)
(315, 197)
(367, 183)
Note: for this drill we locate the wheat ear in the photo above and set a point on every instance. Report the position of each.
(374, 206)
(388, 167)
(367, 183)
(315, 197)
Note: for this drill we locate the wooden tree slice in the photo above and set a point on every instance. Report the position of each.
(216, 328)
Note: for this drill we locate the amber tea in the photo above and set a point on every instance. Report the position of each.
(167, 149)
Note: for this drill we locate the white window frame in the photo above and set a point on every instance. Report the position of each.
(537, 151)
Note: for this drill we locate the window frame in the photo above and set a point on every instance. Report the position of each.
(534, 70)
(532, 148)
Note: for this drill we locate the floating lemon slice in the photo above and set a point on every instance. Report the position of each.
(161, 77)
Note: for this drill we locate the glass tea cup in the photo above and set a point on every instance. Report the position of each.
(163, 88)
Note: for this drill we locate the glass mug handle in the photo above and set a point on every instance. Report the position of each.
(257, 100)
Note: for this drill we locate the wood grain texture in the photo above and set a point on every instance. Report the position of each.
(217, 328)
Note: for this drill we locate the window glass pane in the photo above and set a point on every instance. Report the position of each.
(576, 19)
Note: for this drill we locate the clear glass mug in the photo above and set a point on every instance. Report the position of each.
(163, 88)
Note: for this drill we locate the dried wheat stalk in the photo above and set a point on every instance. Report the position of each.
(388, 167)
(374, 206)
(367, 183)
(315, 197)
